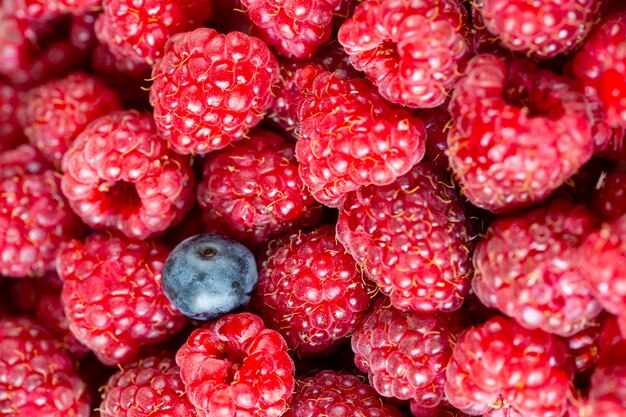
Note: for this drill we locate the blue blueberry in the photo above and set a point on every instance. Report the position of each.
(207, 276)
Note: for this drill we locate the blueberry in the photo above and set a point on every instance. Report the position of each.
(207, 276)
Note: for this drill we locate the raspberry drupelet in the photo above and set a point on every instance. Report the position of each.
(517, 134)
(411, 50)
(120, 175)
(210, 89)
(113, 296)
(412, 238)
(11, 133)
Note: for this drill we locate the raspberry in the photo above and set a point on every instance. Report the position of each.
(330, 393)
(311, 291)
(11, 133)
(234, 366)
(583, 348)
(295, 28)
(113, 297)
(54, 113)
(518, 132)
(609, 196)
(38, 378)
(528, 267)
(42, 10)
(411, 50)
(418, 411)
(351, 137)
(603, 257)
(148, 387)
(437, 122)
(543, 28)
(120, 175)
(210, 89)
(251, 190)
(81, 34)
(138, 30)
(608, 391)
(502, 367)
(34, 215)
(412, 238)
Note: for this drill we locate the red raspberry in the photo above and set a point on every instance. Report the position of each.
(113, 297)
(251, 190)
(11, 133)
(210, 89)
(120, 175)
(148, 387)
(311, 291)
(330, 393)
(609, 196)
(603, 257)
(410, 49)
(351, 137)
(295, 28)
(418, 411)
(518, 132)
(38, 378)
(501, 368)
(583, 348)
(527, 266)
(607, 396)
(42, 10)
(542, 28)
(412, 238)
(34, 215)
(437, 122)
(138, 31)
(601, 67)
(405, 353)
(234, 366)
(54, 113)
(81, 34)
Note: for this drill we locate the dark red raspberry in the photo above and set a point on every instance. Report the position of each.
(504, 369)
(54, 113)
(210, 89)
(350, 136)
(437, 122)
(138, 31)
(603, 257)
(405, 353)
(234, 366)
(410, 49)
(607, 396)
(601, 68)
(120, 175)
(148, 387)
(295, 28)
(81, 34)
(542, 28)
(34, 215)
(583, 348)
(330, 393)
(42, 10)
(38, 378)
(251, 190)
(527, 266)
(518, 133)
(113, 297)
(11, 133)
(412, 238)
(442, 411)
(311, 291)
(609, 196)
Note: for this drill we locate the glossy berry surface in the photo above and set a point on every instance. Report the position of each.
(207, 276)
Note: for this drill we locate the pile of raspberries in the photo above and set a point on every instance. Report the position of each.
(434, 191)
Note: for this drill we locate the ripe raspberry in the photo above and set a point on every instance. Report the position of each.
(38, 378)
(351, 137)
(609, 196)
(412, 238)
(251, 190)
(607, 396)
(543, 28)
(603, 258)
(54, 113)
(583, 348)
(295, 28)
(518, 132)
(81, 33)
(501, 367)
(41, 10)
(601, 67)
(411, 50)
(210, 89)
(311, 291)
(148, 387)
(113, 297)
(528, 267)
(437, 122)
(234, 366)
(120, 175)
(34, 215)
(11, 133)
(330, 393)
(138, 31)
(405, 353)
